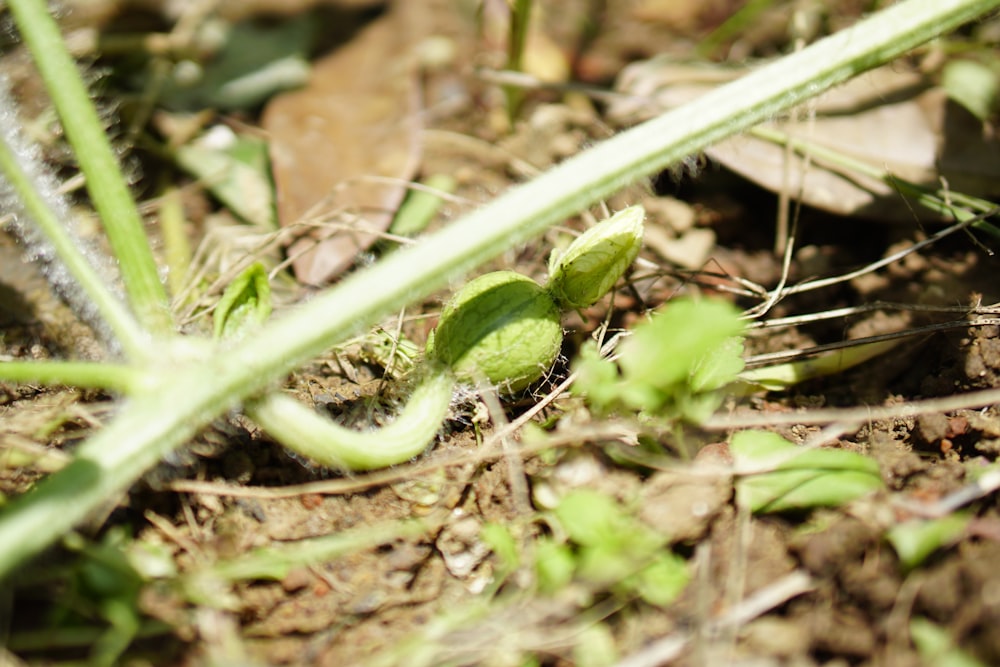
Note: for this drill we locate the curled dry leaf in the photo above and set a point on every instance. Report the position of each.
(357, 119)
(888, 118)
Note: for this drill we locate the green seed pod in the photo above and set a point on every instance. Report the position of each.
(503, 327)
(594, 262)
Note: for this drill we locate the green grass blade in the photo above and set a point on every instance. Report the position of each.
(28, 194)
(105, 183)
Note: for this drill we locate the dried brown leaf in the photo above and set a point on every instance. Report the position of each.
(355, 120)
(888, 118)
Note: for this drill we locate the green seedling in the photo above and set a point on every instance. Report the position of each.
(938, 647)
(672, 366)
(608, 548)
(587, 270)
(502, 330)
(777, 476)
(917, 539)
(101, 589)
(245, 305)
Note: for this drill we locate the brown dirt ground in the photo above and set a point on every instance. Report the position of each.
(233, 490)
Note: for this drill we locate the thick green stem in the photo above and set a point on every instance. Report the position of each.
(152, 424)
(105, 183)
(304, 431)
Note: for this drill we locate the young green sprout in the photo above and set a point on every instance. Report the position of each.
(594, 262)
(501, 329)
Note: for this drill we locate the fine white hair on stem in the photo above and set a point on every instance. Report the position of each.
(39, 248)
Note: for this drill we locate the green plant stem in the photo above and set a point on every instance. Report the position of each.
(943, 203)
(105, 183)
(31, 197)
(176, 243)
(520, 20)
(93, 375)
(732, 27)
(152, 424)
(780, 377)
(304, 431)
(274, 562)
(50, 638)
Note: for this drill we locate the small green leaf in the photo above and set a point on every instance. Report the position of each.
(256, 61)
(613, 544)
(594, 646)
(236, 171)
(751, 448)
(664, 352)
(672, 366)
(757, 446)
(591, 518)
(420, 206)
(719, 366)
(798, 478)
(790, 490)
(605, 564)
(595, 261)
(696, 408)
(245, 305)
(661, 582)
(500, 540)
(554, 565)
(937, 647)
(105, 570)
(917, 539)
(151, 560)
(596, 378)
(973, 85)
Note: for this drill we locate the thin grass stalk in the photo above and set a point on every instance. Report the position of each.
(38, 208)
(152, 424)
(946, 204)
(105, 182)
